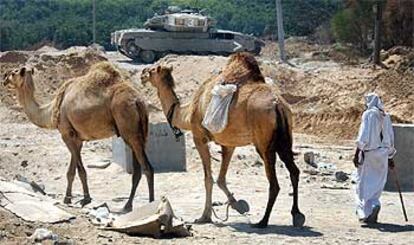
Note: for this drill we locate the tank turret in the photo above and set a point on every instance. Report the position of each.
(177, 20)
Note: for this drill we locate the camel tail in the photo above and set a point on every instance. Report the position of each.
(143, 120)
(283, 136)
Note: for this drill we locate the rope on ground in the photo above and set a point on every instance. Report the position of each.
(227, 213)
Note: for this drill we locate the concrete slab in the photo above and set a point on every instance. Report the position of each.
(29, 205)
(404, 159)
(163, 150)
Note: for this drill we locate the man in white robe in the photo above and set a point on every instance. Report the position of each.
(375, 150)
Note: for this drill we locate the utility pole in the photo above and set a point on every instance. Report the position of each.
(378, 31)
(93, 21)
(280, 31)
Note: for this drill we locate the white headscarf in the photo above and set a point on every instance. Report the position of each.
(372, 100)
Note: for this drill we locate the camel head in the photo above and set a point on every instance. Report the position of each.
(19, 77)
(159, 76)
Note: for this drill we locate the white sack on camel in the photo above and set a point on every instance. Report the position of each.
(216, 117)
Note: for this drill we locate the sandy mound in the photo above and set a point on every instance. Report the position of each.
(47, 48)
(52, 68)
(13, 57)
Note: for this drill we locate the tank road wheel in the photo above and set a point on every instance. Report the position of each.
(132, 49)
(147, 56)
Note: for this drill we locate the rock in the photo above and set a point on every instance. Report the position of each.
(335, 187)
(216, 71)
(269, 81)
(309, 158)
(99, 165)
(326, 168)
(341, 176)
(42, 234)
(257, 164)
(24, 163)
(311, 171)
(241, 157)
(65, 242)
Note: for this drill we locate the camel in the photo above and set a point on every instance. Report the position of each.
(256, 116)
(95, 106)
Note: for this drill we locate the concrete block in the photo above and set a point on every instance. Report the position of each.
(404, 159)
(164, 152)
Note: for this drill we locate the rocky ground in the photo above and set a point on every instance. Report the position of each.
(325, 96)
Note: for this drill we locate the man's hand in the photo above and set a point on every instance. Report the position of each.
(356, 158)
(391, 163)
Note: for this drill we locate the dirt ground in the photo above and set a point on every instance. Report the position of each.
(326, 98)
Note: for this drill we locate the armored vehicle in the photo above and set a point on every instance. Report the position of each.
(181, 32)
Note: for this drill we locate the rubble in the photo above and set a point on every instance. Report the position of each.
(341, 176)
(99, 165)
(309, 158)
(101, 216)
(29, 205)
(156, 219)
(42, 234)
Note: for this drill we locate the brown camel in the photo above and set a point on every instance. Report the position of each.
(97, 105)
(256, 116)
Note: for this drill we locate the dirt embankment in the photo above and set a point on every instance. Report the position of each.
(326, 96)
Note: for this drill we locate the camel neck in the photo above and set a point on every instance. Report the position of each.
(168, 99)
(39, 115)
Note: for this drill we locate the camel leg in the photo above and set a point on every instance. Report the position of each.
(269, 158)
(226, 154)
(286, 156)
(132, 122)
(204, 152)
(70, 175)
(142, 162)
(82, 175)
(136, 177)
(75, 145)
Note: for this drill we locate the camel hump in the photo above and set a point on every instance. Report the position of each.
(242, 68)
(104, 74)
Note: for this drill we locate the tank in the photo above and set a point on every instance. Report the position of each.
(179, 31)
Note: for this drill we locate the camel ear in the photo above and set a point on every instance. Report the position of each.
(158, 69)
(170, 68)
(32, 70)
(22, 71)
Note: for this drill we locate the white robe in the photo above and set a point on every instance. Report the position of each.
(372, 174)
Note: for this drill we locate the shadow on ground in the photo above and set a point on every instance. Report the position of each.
(393, 228)
(287, 230)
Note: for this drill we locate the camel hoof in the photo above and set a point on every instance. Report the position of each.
(67, 200)
(241, 206)
(85, 201)
(298, 220)
(260, 225)
(203, 220)
(126, 209)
